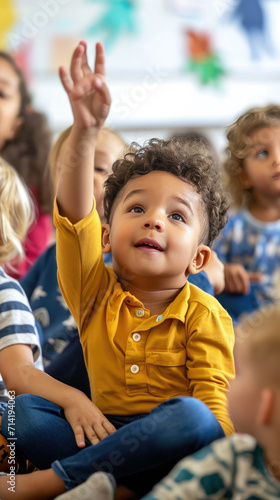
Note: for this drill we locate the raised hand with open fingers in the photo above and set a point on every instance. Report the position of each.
(88, 93)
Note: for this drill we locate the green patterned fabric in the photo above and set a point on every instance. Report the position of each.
(231, 468)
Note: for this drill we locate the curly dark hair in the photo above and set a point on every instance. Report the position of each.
(187, 159)
(239, 142)
(28, 151)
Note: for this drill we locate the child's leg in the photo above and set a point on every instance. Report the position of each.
(40, 485)
(43, 435)
(139, 454)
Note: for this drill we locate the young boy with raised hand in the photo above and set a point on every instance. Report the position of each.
(159, 351)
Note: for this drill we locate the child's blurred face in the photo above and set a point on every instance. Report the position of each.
(108, 150)
(10, 102)
(245, 392)
(155, 231)
(262, 164)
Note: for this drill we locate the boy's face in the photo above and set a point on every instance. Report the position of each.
(245, 392)
(262, 164)
(108, 150)
(155, 232)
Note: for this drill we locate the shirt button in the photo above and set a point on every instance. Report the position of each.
(140, 313)
(134, 369)
(136, 337)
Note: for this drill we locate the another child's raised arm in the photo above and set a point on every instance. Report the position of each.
(90, 101)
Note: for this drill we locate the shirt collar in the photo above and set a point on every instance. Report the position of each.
(177, 309)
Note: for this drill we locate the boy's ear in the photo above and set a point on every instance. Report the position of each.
(200, 260)
(105, 238)
(266, 407)
(246, 183)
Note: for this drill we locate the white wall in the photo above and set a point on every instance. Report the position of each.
(152, 95)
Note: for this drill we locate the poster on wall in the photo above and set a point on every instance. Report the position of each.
(190, 55)
(242, 34)
(236, 34)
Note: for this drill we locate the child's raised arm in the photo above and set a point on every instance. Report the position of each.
(90, 101)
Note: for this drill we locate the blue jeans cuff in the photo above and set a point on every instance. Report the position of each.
(60, 472)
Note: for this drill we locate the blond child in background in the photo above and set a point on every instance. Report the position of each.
(158, 350)
(19, 339)
(25, 142)
(245, 465)
(62, 353)
(249, 244)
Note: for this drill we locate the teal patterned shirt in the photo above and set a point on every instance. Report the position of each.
(230, 468)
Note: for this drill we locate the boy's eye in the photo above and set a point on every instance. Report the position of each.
(263, 154)
(3, 95)
(137, 210)
(177, 217)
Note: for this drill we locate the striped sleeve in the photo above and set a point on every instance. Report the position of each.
(17, 323)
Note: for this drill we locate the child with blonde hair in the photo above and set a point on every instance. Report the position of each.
(17, 213)
(159, 351)
(249, 244)
(245, 465)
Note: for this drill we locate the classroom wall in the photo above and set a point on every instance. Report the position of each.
(150, 54)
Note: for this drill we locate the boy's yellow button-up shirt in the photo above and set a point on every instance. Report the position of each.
(136, 361)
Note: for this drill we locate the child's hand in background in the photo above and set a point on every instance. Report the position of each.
(237, 279)
(88, 93)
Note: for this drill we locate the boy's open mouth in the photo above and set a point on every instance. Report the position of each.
(149, 245)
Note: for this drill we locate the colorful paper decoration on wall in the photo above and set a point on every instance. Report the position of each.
(8, 17)
(202, 59)
(251, 16)
(118, 18)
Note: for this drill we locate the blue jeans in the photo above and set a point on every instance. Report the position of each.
(140, 453)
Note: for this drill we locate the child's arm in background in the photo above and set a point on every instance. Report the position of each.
(237, 278)
(216, 273)
(90, 101)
